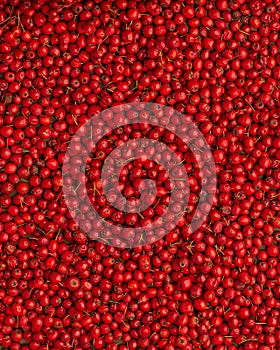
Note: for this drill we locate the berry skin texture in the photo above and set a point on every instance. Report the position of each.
(217, 63)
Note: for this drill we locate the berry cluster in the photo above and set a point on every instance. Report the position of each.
(215, 61)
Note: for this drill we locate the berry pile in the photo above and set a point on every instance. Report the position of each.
(215, 61)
